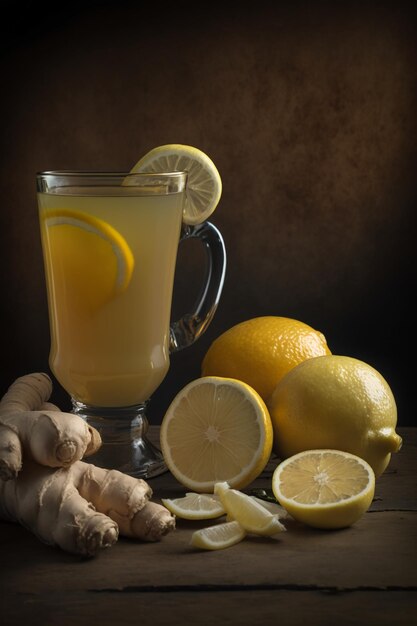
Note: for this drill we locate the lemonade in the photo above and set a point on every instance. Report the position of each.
(110, 336)
(110, 244)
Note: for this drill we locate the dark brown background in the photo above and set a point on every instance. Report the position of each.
(308, 110)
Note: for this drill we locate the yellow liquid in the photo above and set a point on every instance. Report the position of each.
(118, 354)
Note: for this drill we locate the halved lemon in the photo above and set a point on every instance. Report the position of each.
(251, 515)
(218, 537)
(324, 488)
(204, 185)
(91, 260)
(216, 429)
(195, 506)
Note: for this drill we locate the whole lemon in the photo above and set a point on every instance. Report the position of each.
(260, 351)
(335, 402)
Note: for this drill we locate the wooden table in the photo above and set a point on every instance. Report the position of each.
(366, 574)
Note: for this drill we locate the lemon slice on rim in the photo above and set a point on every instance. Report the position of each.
(216, 429)
(218, 537)
(324, 488)
(195, 506)
(204, 185)
(90, 258)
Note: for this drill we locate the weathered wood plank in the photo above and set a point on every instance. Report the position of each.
(363, 574)
(254, 608)
(377, 552)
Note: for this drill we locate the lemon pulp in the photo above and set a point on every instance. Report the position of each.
(324, 488)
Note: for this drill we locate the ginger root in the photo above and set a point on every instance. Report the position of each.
(47, 488)
(50, 437)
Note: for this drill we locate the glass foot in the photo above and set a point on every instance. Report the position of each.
(125, 446)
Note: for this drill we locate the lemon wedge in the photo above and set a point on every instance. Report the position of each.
(272, 507)
(218, 537)
(251, 515)
(90, 259)
(195, 506)
(216, 429)
(324, 488)
(204, 185)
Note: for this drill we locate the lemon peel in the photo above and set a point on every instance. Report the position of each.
(335, 402)
(261, 350)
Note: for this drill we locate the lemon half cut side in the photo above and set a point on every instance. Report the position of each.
(215, 430)
(324, 488)
(204, 185)
(93, 259)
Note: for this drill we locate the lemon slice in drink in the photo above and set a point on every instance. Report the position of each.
(204, 185)
(89, 257)
(195, 506)
(324, 488)
(218, 537)
(216, 429)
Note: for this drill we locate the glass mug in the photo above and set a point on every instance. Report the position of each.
(110, 243)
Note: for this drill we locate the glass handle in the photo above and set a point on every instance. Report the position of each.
(189, 328)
